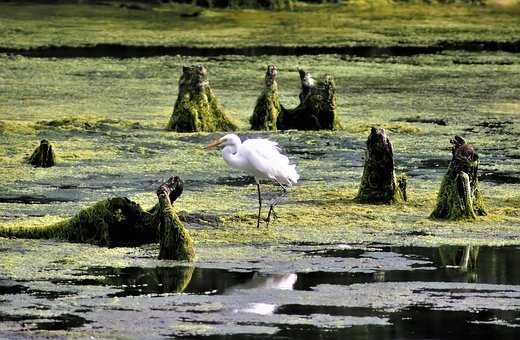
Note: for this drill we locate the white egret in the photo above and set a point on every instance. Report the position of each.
(260, 158)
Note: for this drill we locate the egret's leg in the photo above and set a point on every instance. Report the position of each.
(259, 205)
(275, 203)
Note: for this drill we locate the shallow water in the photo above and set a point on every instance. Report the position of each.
(359, 291)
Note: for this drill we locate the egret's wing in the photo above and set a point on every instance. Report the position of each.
(264, 151)
(266, 160)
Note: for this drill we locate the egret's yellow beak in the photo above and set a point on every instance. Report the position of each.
(213, 144)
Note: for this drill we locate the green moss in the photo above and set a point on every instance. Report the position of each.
(267, 107)
(176, 242)
(105, 163)
(197, 108)
(317, 109)
(451, 205)
(459, 195)
(379, 183)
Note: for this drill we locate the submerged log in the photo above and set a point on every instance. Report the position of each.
(197, 108)
(267, 106)
(379, 183)
(459, 196)
(119, 221)
(317, 108)
(43, 156)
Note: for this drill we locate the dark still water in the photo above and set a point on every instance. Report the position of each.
(383, 292)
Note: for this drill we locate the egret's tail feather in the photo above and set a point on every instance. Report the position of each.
(293, 175)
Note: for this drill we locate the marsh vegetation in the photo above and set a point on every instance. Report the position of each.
(335, 266)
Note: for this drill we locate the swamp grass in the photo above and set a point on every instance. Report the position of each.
(107, 119)
(370, 23)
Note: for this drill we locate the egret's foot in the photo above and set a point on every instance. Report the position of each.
(271, 215)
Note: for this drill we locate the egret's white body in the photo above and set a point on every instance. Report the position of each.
(260, 158)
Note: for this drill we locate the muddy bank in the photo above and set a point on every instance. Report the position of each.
(131, 51)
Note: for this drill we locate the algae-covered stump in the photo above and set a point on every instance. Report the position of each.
(121, 222)
(43, 156)
(317, 108)
(459, 196)
(379, 183)
(267, 106)
(197, 108)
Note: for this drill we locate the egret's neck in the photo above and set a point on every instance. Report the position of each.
(232, 157)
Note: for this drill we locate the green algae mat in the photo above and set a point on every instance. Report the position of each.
(327, 266)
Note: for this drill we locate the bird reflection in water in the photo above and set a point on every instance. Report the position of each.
(276, 281)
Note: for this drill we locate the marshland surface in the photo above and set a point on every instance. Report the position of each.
(327, 267)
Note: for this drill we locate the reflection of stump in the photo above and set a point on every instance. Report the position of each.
(379, 183)
(459, 196)
(317, 109)
(119, 221)
(43, 156)
(267, 106)
(464, 258)
(157, 280)
(196, 108)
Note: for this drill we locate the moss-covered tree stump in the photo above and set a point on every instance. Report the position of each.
(459, 196)
(267, 106)
(197, 108)
(43, 156)
(379, 183)
(317, 108)
(121, 222)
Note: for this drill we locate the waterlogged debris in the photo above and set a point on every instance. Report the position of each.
(317, 109)
(43, 156)
(197, 108)
(459, 196)
(379, 183)
(267, 108)
(120, 221)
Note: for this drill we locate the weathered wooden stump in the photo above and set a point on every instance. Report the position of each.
(317, 108)
(267, 106)
(197, 108)
(43, 156)
(379, 183)
(121, 222)
(459, 196)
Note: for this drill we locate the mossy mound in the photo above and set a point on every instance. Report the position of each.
(379, 183)
(459, 196)
(267, 106)
(197, 108)
(317, 109)
(121, 222)
(43, 156)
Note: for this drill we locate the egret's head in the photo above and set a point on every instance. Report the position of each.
(228, 140)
